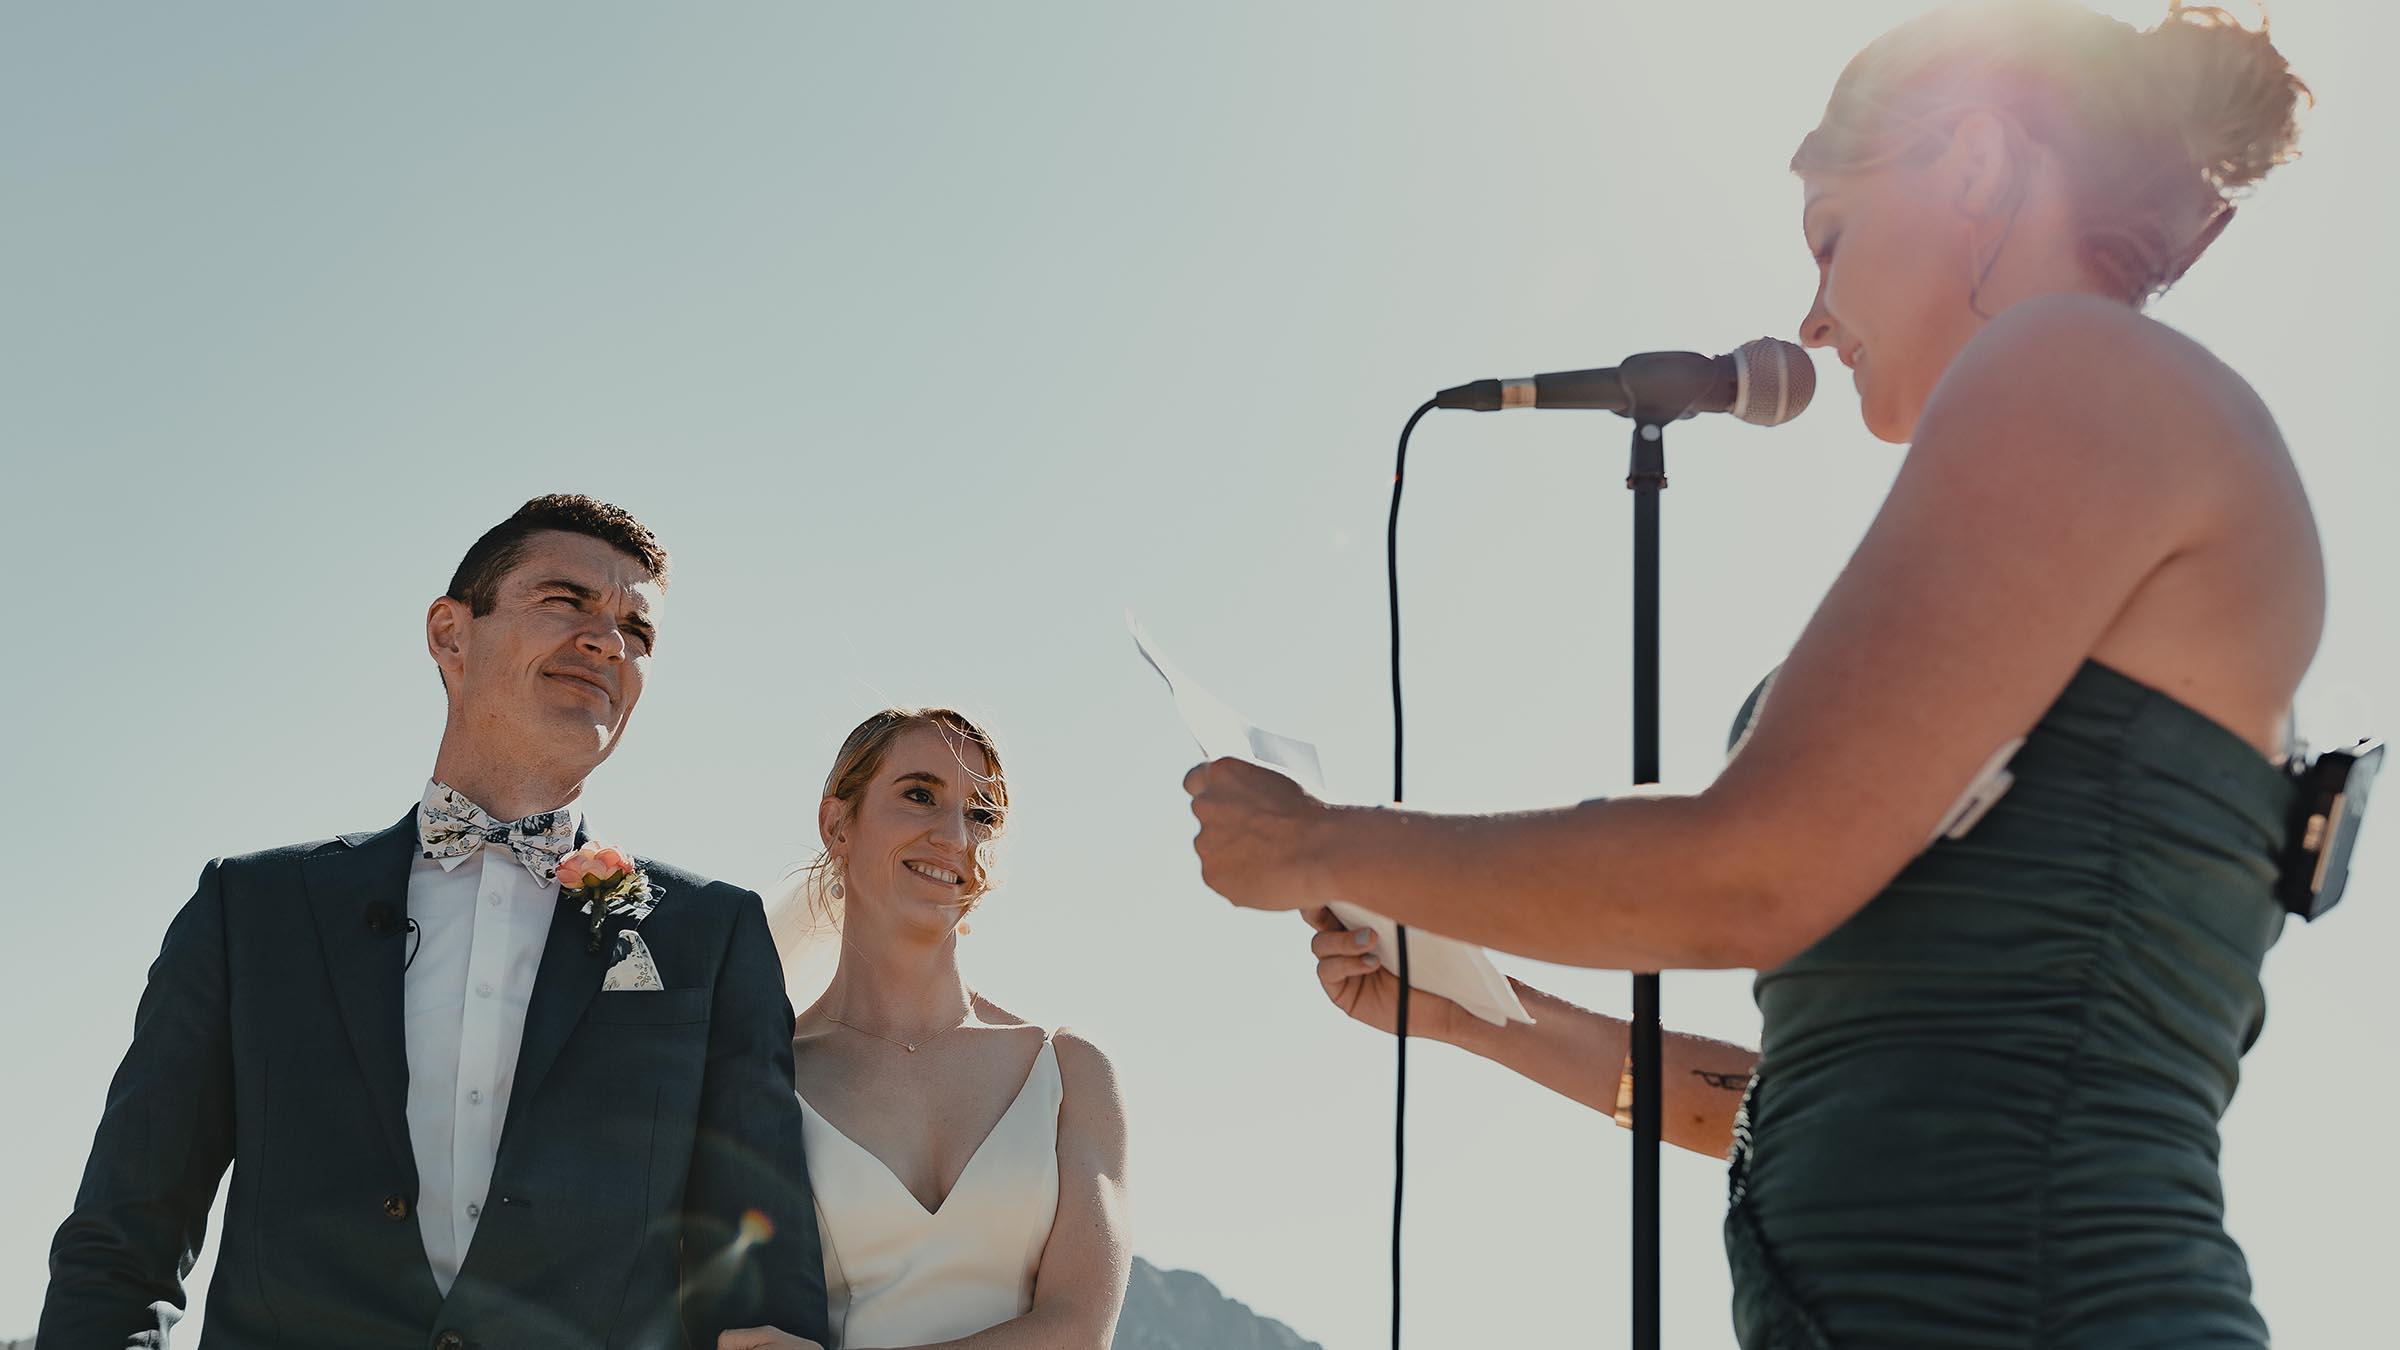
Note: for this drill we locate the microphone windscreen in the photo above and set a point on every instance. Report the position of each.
(1773, 381)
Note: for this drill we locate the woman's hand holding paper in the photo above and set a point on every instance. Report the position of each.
(1260, 835)
(1356, 978)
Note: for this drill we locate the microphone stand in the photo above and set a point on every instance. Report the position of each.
(1646, 477)
(1653, 389)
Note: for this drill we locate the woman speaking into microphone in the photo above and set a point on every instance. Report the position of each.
(1984, 1110)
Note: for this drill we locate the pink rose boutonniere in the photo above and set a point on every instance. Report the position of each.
(609, 885)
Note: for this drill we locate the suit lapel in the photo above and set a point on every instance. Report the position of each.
(364, 965)
(563, 986)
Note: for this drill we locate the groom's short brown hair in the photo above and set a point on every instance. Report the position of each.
(476, 584)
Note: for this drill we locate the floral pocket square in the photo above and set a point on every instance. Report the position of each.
(632, 968)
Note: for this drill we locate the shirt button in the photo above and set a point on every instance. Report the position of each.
(474, 1211)
(483, 990)
(395, 1206)
(475, 1096)
(495, 901)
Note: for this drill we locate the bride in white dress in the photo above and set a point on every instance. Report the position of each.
(969, 1167)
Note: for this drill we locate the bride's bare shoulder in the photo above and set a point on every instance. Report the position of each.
(1091, 1099)
(992, 1015)
(1087, 1077)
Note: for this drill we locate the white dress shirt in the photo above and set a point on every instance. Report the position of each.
(481, 923)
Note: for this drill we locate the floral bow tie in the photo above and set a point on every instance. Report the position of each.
(450, 826)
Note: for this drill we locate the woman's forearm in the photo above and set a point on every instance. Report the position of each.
(1634, 883)
(1580, 1055)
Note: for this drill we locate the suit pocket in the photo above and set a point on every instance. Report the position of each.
(651, 1007)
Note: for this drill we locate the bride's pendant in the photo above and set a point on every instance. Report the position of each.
(909, 1046)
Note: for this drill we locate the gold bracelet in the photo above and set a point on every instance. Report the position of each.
(1625, 1094)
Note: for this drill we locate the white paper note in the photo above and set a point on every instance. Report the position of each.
(1459, 972)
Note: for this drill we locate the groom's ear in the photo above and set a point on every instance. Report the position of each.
(446, 638)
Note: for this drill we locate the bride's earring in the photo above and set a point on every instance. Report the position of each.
(835, 890)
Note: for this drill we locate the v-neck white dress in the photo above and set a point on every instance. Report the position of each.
(896, 1275)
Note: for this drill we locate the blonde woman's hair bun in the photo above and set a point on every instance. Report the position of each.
(2225, 91)
(2155, 129)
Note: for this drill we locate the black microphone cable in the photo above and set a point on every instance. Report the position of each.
(1391, 567)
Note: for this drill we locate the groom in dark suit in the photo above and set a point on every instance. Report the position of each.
(461, 1110)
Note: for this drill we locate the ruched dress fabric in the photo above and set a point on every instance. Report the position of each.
(1985, 1111)
(897, 1274)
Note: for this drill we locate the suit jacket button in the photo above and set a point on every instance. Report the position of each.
(449, 1340)
(395, 1206)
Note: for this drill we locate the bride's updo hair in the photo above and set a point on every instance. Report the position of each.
(808, 907)
(2156, 128)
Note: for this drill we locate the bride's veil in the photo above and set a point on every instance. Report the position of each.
(805, 922)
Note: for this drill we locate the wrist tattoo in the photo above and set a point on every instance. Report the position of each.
(1731, 1082)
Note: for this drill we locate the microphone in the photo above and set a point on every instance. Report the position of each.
(379, 919)
(1765, 382)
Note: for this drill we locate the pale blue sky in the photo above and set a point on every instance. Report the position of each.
(933, 337)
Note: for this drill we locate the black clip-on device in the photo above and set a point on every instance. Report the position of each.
(2330, 799)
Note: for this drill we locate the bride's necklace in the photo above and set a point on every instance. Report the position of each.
(911, 1046)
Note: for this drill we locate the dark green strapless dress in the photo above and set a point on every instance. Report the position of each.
(1986, 1106)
